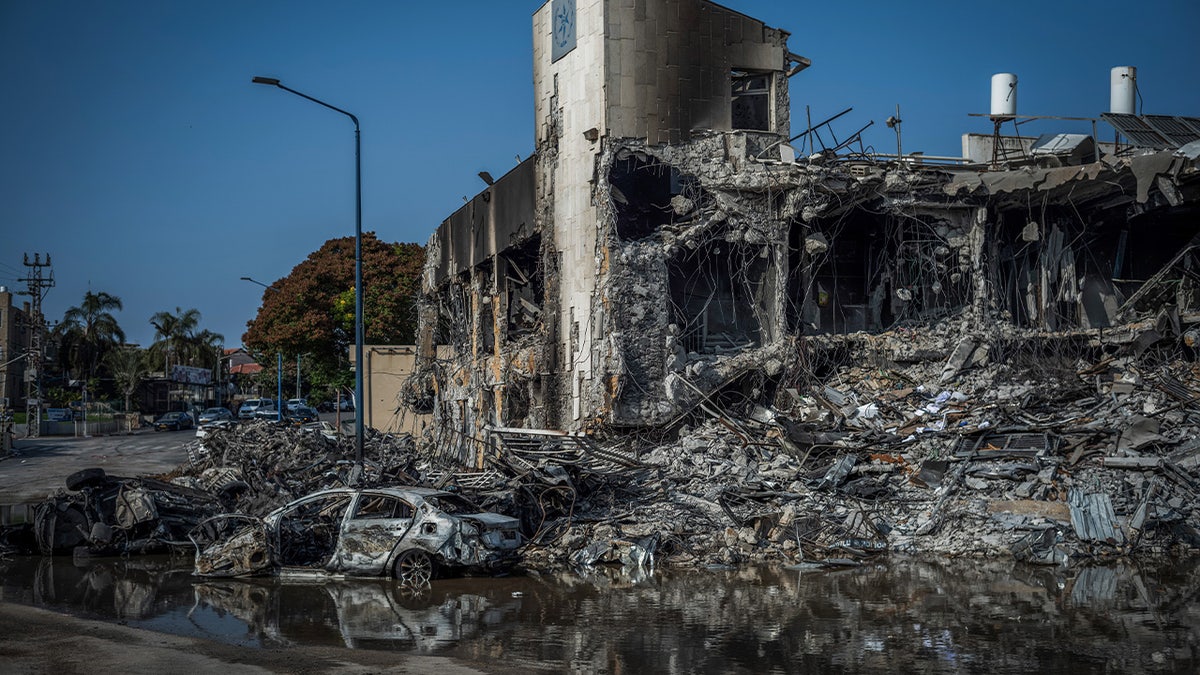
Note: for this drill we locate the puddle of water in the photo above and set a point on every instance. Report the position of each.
(897, 616)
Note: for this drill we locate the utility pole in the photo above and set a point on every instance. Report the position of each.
(38, 285)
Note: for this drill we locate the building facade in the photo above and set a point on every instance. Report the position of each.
(664, 251)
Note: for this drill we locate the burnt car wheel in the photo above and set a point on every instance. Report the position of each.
(414, 568)
(86, 478)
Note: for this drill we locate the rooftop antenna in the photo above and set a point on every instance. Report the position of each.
(894, 123)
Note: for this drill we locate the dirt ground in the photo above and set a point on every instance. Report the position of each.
(39, 641)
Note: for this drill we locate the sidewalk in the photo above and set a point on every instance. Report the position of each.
(38, 466)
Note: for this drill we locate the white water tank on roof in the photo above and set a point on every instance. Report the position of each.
(1122, 90)
(1004, 95)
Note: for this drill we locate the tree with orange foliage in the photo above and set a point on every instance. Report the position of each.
(311, 310)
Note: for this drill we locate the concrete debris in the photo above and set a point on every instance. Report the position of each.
(1034, 455)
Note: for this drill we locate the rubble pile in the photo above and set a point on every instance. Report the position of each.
(260, 466)
(1052, 449)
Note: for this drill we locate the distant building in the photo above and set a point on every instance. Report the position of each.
(241, 369)
(15, 338)
(387, 369)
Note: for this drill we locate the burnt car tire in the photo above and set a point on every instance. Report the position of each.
(86, 478)
(414, 568)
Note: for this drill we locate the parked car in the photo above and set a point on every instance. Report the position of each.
(214, 415)
(301, 415)
(293, 403)
(345, 404)
(408, 533)
(251, 406)
(173, 421)
(266, 413)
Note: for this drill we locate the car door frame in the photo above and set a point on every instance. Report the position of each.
(368, 545)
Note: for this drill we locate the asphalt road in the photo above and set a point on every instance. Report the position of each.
(37, 466)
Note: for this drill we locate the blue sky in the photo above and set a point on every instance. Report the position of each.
(135, 150)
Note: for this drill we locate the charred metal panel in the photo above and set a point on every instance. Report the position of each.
(495, 219)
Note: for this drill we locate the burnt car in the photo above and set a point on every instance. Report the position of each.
(100, 514)
(406, 532)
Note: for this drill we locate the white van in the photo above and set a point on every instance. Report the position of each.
(251, 405)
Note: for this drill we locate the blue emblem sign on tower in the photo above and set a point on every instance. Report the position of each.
(562, 36)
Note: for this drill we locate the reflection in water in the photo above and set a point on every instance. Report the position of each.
(371, 614)
(897, 616)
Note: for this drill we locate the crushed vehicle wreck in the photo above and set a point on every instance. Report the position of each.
(407, 533)
(100, 514)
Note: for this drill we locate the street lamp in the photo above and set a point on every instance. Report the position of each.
(278, 362)
(358, 285)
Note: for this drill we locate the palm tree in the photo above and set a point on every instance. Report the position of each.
(90, 330)
(172, 334)
(128, 366)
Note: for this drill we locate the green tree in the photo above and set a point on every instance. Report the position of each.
(89, 331)
(173, 335)
(129, 368)
(311, 311)
(205, 349)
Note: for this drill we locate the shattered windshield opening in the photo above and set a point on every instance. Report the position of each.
(308, 533)
(453, 504)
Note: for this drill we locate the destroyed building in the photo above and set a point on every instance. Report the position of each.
(665, 250)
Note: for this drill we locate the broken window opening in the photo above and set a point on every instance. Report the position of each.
(751, 100)
(929, 278)
(523, 289)
(1157, 263)
(382, 507)
(308, 534)
(1058, 272)
(866, 272)
(516, 404)
(841, 280)
(453, 322)
(717, 293)
(648, 194)
(486, 285)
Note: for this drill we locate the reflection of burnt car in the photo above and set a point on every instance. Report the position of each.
(173, 421)
(112, 515)
(359, 613)
(408, 533)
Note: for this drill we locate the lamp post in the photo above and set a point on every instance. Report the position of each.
(278, 362)
(358, 285)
